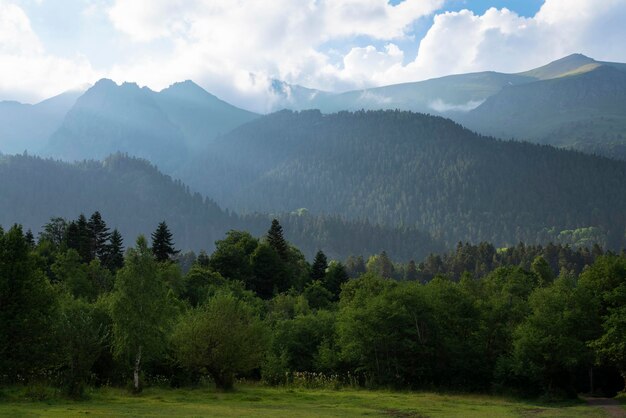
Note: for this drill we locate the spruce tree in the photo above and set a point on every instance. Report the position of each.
(162, 244)
(114, 257)
(72, 236)
(320, 264)
(276, 240)
(99, 235)
(84, 239)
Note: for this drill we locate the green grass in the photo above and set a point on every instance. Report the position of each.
(259, 401)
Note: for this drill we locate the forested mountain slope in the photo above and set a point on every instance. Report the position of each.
(585, 110)
(134, 197)
(401, 168)
(573, 102)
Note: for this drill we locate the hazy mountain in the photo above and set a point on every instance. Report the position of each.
(401, 168)
(134, 197)
(571, 102)
(28, 127)
(443, 95)
(198, 114)
(126, 118)
(584, 108)
(162, 127)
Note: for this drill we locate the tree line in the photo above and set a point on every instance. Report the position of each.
(79, 309)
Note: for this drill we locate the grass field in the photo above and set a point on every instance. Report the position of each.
(258, 401)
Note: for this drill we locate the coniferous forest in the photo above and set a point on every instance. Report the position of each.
(83, 305)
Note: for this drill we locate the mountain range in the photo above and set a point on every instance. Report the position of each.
(419, 181)
(164, 127)
(575, 102)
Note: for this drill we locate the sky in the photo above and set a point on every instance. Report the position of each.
(235, 48)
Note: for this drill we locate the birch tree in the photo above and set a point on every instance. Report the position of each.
(140, 310)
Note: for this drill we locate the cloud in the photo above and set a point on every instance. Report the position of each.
(501, 40)
(219, 44)
(236, 48)
(27, 72)
(441, 106)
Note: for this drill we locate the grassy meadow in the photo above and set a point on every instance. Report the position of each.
(260, 401)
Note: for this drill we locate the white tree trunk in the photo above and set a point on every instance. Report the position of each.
(136, 371)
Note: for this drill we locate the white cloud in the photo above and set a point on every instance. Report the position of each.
(236, 48)
(439, 105)
(219, 44)
(27, 72)
(501, 40)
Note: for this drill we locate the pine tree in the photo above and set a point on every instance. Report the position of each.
(72, 236)
(84, 239)
(114, 256)
(276, 240)
(162, 244)
(320, 264)
(99, 235)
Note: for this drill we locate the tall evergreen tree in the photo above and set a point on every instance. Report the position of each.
(320, 264)
(72, 236)
(162, 244)
(28, 307)
(114, 257)
(99, 235)
(84, 239)
(276, 240)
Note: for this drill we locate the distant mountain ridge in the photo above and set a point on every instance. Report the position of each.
(574, 102)
(25, 127)
(168, 126)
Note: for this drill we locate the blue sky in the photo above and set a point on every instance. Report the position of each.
(235, 48)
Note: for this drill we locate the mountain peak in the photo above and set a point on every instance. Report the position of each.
(187, 90)
(105, 83)
(563, 66)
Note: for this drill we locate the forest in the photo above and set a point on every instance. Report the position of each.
(81, 307)
(403, 169)
(133, 195)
